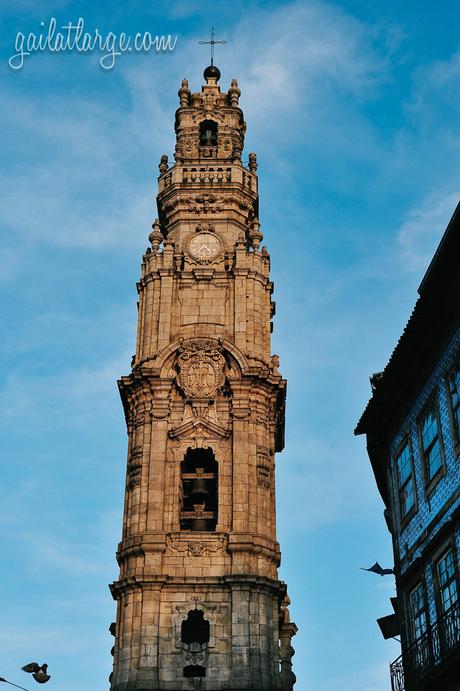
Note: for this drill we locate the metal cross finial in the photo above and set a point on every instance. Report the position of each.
(212, 43)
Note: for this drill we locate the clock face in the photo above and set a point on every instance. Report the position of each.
(204, 247)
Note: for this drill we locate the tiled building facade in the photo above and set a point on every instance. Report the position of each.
(412, 425)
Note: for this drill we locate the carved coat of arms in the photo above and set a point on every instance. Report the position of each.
(200, 368)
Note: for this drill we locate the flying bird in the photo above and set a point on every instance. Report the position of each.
(39, 673)
(376, 568)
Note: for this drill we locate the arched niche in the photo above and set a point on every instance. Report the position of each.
(195, 629)
(208, 133)
(199, 490)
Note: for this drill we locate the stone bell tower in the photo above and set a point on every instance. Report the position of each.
(199, 603)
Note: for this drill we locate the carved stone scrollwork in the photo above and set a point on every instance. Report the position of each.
(207, 203)
(209, 112)
(263, 477)
(138, 416)
(188, 144)
(208, 100)
(134, 467)
(170, 205)
(264, 470)
(195, 654)
(261, 414)
(197, 548)
(200, 366)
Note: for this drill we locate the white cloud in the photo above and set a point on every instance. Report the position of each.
(423, 228)
(88, 194)
(70, 399)
(292, 92)
(436, 89)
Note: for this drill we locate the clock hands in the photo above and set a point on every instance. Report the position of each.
(205, 248)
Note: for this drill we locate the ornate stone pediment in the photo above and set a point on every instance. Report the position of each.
(200, 429)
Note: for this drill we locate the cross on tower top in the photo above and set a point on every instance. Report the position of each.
(212, 43)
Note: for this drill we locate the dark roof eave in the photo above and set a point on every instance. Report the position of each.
(419, 338)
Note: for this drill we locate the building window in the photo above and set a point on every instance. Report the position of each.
(405, 479)
(199, 474)
(418, 612)
(208, 133)
(195, 633)
(454, 394)
(447, 581)
(195, 629)
(430, 442)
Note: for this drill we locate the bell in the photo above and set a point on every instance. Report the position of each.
(198, 522)
(199, 491)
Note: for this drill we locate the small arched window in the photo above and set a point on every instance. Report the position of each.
(195, 629)
(208, 133)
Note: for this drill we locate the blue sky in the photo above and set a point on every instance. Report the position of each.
(353, 109)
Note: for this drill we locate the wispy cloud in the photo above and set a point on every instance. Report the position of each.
(67, 400)
(357, 172)
(86, 196)
(421, 232)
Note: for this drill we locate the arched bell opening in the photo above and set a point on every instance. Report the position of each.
(208, 133)
(199, 476)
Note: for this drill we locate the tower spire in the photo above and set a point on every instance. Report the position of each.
(211, 43)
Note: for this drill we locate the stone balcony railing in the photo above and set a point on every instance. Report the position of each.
(413, 670)
(212, 176)
(206, 175)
